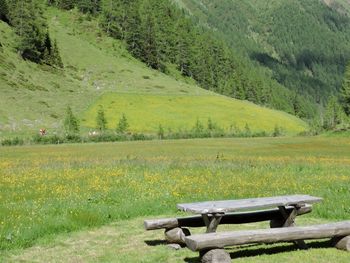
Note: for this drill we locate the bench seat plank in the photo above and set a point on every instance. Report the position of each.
(224, 239)
(247, 204)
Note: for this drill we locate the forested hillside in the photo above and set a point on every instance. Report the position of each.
(93, 66)
(162, 36)
(304, 44)
(287, 55)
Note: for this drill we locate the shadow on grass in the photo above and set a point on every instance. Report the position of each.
(250, 251)
(154, 243)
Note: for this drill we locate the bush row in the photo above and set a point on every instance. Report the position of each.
(115, 137)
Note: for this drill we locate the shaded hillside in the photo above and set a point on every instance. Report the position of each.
(305, 44)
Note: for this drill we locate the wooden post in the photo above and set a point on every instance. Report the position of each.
(212, 222)
(289, 221)
(216, 256)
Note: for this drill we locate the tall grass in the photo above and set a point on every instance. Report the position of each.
(46, 190)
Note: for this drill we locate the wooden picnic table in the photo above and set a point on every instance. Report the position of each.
(213, 211)
(281, 211)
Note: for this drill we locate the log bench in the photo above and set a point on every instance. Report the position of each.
(281, 211)
(210, 245)
(177, 228)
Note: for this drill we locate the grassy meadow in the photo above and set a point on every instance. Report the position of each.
(145, 112)
(51, 190)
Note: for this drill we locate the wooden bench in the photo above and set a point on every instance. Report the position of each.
(210, 244)
(281, 211)
(176, 228)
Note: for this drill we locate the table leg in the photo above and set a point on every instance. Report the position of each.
(212, 222)
(289, 221)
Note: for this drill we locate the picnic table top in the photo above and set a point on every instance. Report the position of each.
(223, 206)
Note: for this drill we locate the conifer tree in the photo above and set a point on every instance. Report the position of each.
(101, 122)
(160, 132)
(345, 91)
(34, 41)
(150, 52)
(71, 123)
(133, 34)
(183, 47)
(123, 124)
(4, 11)
(334, 114)
(89, 6)
(55, 55)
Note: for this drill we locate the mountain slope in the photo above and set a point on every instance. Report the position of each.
(305, 44)
(98, 68)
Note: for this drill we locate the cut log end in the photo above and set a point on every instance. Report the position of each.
(216, 256)
(342, 243)
(161, 223)
(177, 235)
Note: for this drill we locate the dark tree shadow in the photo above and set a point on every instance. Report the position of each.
(250, 251)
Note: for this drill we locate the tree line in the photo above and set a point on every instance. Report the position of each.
(72, 132)
(336, 115)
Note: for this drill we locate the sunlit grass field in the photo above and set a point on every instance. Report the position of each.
(145, 112)
(46, 190)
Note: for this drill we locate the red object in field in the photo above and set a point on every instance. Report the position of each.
(42, 132)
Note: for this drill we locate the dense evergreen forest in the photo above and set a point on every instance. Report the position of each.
(162, 35)
(305, 44)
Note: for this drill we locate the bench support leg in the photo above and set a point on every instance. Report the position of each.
(215, 256)
(176, 235)
(342, 243)
(213, 222)
(288, 221)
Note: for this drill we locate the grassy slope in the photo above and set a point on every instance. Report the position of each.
(34, 96)
(146, 111)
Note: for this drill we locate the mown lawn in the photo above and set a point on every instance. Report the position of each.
(47, 190)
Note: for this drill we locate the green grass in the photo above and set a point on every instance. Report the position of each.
(96, 67)
(46, 190)
(128, 238)
(180, 112)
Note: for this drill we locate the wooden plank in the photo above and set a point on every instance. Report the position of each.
(236, 218)
(285, 234)
(247, 204)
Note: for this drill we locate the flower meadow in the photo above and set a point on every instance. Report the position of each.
(46, 190)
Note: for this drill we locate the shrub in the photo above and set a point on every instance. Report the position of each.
(47, 139)
(12, 142)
